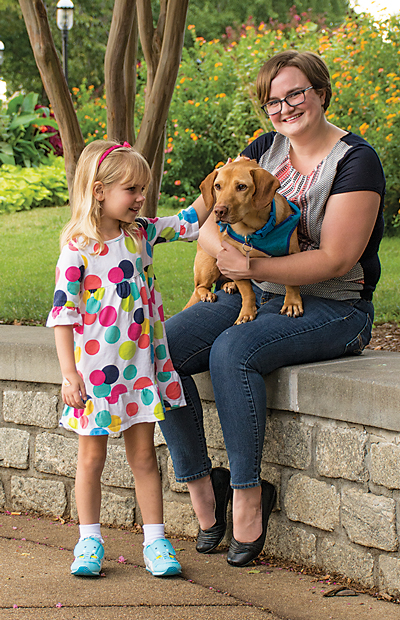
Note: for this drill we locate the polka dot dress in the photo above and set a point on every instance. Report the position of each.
(114, 304)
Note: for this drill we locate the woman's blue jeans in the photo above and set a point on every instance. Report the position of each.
(204, 337)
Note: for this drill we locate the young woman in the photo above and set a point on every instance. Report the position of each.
(336, 179)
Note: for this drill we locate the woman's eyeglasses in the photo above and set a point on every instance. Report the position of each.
(293, 99)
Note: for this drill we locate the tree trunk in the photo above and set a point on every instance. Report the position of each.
(119, 66)
(158, 97)
(35, 16)
(157, 45)
(157, 170)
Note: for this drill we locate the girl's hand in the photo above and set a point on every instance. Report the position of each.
(232, 263)
(73, 391)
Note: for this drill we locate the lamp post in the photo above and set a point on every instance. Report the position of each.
(65, 21)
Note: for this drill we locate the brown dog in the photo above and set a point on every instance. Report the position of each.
(241, 194)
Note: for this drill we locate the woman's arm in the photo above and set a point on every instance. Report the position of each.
(348, 223)
(200, 208)
(73, 394)
(209, 238)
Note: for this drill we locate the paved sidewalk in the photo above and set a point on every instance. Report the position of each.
(35, 583)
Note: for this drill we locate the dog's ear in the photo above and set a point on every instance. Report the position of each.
(266, 185)
(207, 189)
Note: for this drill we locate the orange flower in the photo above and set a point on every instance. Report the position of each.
(177, 182)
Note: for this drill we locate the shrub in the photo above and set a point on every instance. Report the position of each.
(25, 139)
(43, 186)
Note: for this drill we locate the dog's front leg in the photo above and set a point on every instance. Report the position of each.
(206, 273)
(248, 311)
(293, 304)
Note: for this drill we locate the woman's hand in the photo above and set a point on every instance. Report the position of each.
(232, 263)
(73, 391)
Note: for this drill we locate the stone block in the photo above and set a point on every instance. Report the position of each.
(369, 520)
(312, 502)
(115, 509)
(290, 543)
(287, 442)
(180, 519)
(56, 454)
(273, 475)
(31, 408)
(178, 487)
(42, 496)
(342, 559)
(2, 497)
(14, 448)
(212, 426)
(340, 453)
(385, 465)
(389, 575)
(158, 437)
(117, 472)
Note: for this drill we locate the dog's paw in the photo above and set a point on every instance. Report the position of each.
(208, 297)
(292, 310)
(230, 288)
(246, 317)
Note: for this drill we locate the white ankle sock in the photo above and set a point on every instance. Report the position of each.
(93, 529)
(152, 532)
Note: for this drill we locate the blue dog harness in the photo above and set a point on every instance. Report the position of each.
(272, 239)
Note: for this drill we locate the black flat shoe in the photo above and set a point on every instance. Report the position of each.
(241, 554)
(209, 539)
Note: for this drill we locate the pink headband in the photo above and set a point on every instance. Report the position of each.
(112, 148)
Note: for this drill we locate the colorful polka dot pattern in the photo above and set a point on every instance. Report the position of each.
(114, 304)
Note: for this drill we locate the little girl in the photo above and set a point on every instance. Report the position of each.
(109, 330)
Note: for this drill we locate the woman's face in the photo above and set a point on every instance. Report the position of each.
(294, 121)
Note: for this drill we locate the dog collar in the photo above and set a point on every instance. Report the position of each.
(272, 239)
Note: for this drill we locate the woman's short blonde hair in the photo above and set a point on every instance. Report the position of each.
(312, 65)
(120, 165)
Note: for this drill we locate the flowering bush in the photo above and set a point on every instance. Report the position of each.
(215, 113)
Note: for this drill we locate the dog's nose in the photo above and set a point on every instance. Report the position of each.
(220, 211)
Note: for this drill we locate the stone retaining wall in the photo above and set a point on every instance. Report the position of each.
(332, 449)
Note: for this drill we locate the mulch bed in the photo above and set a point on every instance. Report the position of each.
(385, 337)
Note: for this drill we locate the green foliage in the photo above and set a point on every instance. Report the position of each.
(24, 139)
(223, 18)
(26, 188)
(91, 110)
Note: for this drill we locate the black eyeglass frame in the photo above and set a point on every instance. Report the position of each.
(285, 99)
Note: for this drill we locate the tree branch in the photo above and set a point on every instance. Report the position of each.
(159, 99)
(37, 25)
(114, 69)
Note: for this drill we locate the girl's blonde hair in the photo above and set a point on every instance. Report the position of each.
(120, 165)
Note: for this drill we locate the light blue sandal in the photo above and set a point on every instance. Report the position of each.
(160, 558)
(89, 554)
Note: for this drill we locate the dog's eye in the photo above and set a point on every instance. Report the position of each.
(241, 187)
(217, 186)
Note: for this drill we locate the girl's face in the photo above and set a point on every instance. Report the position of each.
(294, 121)
(120, 202)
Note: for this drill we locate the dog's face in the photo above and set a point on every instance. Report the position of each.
(239, 191)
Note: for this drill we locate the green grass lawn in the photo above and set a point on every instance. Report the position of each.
(29, 248)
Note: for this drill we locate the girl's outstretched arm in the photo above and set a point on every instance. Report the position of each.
(73, 388)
